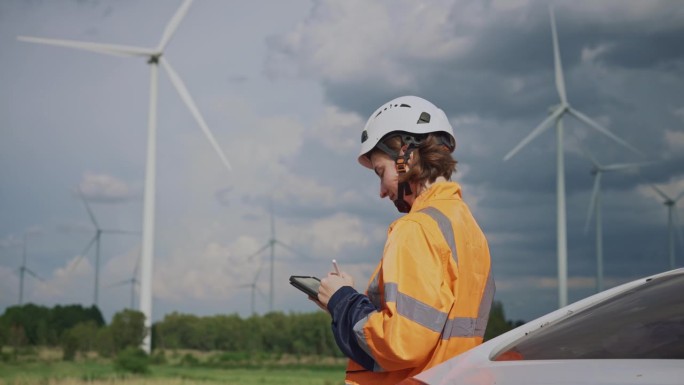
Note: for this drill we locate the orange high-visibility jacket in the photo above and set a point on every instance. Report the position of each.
(428, 299)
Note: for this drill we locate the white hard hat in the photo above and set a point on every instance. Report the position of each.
(406, 114)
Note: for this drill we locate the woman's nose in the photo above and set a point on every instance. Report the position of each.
(383, 191)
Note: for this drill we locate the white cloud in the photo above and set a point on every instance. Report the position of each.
(214, 272)
(589, 54)
(71, 283)
(342, 41)
(336, 129)
(674, 141)
(328, 236)
(672, 189)
(104, 188)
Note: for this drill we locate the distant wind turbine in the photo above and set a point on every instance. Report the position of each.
(672, 221)
(154, 58)
(254, 288)
(557, 117)
(597, 171)
(23, 270)
(133, 281)
(95, 241)
(271, 244)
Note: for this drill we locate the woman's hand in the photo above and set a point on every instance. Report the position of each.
(330, 285)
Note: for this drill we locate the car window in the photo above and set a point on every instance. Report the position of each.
(645, 322)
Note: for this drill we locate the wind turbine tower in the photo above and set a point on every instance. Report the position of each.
(672, 222)
(23, 270)
(597, 171)
(96, 241)
(133, 281)
(557, 116)
(254, 289)
(271, 244)
(154, 58)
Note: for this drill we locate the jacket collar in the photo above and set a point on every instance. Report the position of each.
(438, 191)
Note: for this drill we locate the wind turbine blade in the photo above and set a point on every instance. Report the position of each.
(679, 196)
(560, 82)
(261, 292)
(87, 248)
(185, 95)
(536, 132)
(587, 154)
(266, 246)
(26, 269)
(292, 250)
(592, 204)
(625, 166)
(173, 24)
(602, 130)
(87, 206)
(258, 272)
(108, 49)
(660, 192)
(83, 253)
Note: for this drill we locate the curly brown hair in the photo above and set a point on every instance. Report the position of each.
(431, 159)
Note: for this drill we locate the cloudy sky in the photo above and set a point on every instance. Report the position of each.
(286, 87)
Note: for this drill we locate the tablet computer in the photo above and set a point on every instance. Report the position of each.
(309, 285)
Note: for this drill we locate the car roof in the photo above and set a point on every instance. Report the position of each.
(482, 355)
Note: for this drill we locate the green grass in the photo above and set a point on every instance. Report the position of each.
(284, 375)
(103, 372)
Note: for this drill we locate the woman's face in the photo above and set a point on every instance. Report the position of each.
(385, 169)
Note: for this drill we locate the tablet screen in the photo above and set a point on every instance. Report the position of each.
(310, 282)
(307, 284)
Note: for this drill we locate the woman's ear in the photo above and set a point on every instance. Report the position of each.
(411, 158)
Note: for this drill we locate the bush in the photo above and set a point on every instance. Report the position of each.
(189, 360)
(133, 360)
(105, 342)
(69, 346)
(158, 358)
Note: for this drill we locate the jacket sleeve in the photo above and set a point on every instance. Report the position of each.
(347, 307)
(415, 308)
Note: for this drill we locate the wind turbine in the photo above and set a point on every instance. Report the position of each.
(556, 116)
(95, 241)
(133, 281)
(271, 244)
(672, 221)
(597, 171)
(254, 288)
(154, 58)
(23, 270)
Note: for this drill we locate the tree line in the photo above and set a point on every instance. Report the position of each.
(75, 329)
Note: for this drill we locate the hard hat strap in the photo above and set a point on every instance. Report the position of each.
(403, 188)
(408, 144)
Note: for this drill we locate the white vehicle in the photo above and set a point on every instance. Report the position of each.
(630, 334)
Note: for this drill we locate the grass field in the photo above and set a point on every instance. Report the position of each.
(46, 369)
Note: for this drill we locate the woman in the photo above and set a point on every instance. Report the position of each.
(429, 297)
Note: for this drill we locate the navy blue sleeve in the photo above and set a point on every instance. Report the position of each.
(347, 307)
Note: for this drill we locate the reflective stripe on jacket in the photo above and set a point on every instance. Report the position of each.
(428, 299)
